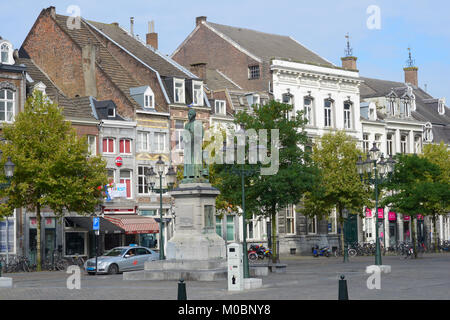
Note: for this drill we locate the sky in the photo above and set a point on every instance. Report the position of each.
(380, 31)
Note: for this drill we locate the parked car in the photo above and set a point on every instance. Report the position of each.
(120, 259)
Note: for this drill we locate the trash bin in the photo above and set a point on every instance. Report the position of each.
(293, 250)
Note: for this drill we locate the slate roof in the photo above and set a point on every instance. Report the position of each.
(216, 80)
(267, 46)
(426, 105)
(76, 109)
(101, 108)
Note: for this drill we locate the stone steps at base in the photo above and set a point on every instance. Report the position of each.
(198, 275)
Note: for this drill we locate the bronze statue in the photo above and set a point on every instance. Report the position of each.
(193, 160)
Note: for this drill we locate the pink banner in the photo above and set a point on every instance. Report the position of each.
(380, 213)
(368, 213)
(419, 217)
(406, 218)
(392, 216)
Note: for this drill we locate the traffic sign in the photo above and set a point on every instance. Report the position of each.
(96, 224)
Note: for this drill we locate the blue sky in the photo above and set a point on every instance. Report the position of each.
(319, 25)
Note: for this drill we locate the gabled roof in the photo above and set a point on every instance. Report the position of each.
(216, 80)
(76, 109)
(83, 36)
(164, 65)
(267, 46)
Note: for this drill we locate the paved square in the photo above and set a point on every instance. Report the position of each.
(306, 278)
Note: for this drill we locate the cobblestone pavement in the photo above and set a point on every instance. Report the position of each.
(305, 278)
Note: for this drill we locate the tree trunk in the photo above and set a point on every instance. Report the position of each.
(413, 234)
(274, 238)
(38, 238)
(341, 225)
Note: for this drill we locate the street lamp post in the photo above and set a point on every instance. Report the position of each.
(345, 216)
(151, 177)
(243, 172)
(382, 171)
(9, 173)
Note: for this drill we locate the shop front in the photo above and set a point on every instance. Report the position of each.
(393, 230)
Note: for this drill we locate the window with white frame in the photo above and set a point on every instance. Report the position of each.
(7, 105)
(312, 225)
(126, 178)
(253, 72)
(5, 53)
(308, 109)
(109, 145)
(403, 143)
(417, 144)
(366, 142)
(441, 106)
(111, 112)
(197, 94)
(125, 146)
(332, 222)
(179, 91)
(179, 127)
(148, 101)
(92, 145)
(327, 108)
(428, 132)
(142, 180)
(159, 142)
(389, 144)
(347, 115)
(220, 107)
(7, 235)
(378, 141)
(111, 175)
(290, 219)
(143, 141)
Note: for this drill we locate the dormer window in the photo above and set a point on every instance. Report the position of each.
(441, 106)
(179, 91)
(220, 106)
(6, 53)
(111, 112)
(197, 94)
(148, 101)
(428, 132)
(253, 99)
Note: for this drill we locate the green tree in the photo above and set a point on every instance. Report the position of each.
(339, 186)
(438, 190)
(416, 189)
(52, 165)
(265, 195)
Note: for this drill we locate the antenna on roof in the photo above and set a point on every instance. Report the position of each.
(151, 26)
(348, 50)
(410, 61)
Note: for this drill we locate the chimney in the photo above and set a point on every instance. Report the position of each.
(199, 20)
(199, 69)
(132, 26)
(152, 36)
(52, 11)
(88, 54)
(411, 71)
(349, 61)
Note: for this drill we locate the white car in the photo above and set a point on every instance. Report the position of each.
(120, 259)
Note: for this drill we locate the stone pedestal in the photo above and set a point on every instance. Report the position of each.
(196, 251)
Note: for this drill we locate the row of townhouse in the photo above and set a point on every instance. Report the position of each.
(130, 100)
(241, 67)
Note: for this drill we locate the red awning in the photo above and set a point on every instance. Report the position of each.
(133, 224)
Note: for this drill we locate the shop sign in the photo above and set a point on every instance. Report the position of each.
(368, 213)
(406, 218)
(380, 213)
(392, 216)
(48, 223)
(419, 217)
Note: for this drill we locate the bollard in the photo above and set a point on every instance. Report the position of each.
(343, 292)
(182, 290)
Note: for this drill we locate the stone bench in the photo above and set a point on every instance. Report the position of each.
(278, 268)
(259, 270)
(6, 282)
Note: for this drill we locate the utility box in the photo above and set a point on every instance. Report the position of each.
(235, 267)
